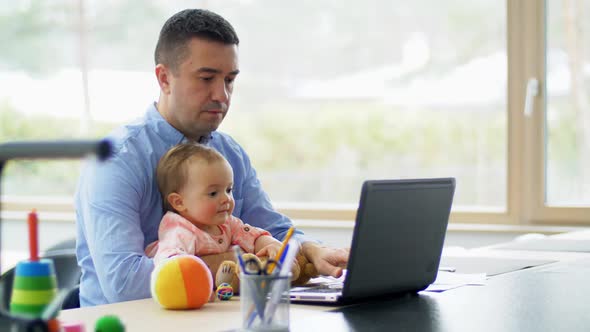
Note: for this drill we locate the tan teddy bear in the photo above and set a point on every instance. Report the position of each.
(229, 271)
(306, 271)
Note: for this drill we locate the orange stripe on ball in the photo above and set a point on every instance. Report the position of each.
(198, 282)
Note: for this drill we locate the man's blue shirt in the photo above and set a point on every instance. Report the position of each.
(119, 207)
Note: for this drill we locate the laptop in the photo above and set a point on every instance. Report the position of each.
(396, 244)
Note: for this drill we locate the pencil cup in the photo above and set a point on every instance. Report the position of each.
(33, 288)
(264, 302)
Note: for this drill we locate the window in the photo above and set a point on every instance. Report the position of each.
(568, 104)
(331, 93)
(380, 91)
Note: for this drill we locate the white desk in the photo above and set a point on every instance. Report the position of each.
(532, 299)
(145, 316)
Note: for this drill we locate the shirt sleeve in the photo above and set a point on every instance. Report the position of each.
(245, 235)
(175, 237)
(107, 204)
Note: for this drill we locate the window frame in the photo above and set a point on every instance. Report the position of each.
(533, 57)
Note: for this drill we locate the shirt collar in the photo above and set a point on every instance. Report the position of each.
(169, 134)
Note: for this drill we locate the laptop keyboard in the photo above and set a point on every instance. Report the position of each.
(321, 288)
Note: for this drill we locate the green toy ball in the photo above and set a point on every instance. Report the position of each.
(109, 323)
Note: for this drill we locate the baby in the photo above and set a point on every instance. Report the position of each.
(196, 186)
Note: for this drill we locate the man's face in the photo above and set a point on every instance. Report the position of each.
(199, 92)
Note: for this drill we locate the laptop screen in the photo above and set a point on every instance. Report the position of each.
(398, 236)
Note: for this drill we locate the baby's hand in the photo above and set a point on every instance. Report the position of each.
(270, 250)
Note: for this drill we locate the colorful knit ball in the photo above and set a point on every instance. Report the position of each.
(181, 282)
(224, 291)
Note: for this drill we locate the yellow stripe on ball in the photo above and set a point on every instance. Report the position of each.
(169, 286)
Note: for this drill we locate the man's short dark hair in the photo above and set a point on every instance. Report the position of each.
(185, 25)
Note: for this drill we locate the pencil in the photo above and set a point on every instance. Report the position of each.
(283, 246)
(238, 253)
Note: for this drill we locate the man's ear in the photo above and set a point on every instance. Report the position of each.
(176, 201)
(163, 75)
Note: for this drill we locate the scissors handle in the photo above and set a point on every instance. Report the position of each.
(253, 266)
(270, 266)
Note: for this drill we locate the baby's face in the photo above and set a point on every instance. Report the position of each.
(208, 194)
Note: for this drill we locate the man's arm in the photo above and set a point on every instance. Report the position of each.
(327, 261)
(256, 207)
(257, 210)
(108, 215)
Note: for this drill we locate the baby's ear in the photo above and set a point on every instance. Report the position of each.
(176, 202)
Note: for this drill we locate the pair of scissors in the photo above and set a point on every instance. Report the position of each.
(253, 266)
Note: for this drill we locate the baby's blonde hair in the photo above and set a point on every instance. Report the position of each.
(172, 170)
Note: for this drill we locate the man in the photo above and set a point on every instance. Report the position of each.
(118, 205)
